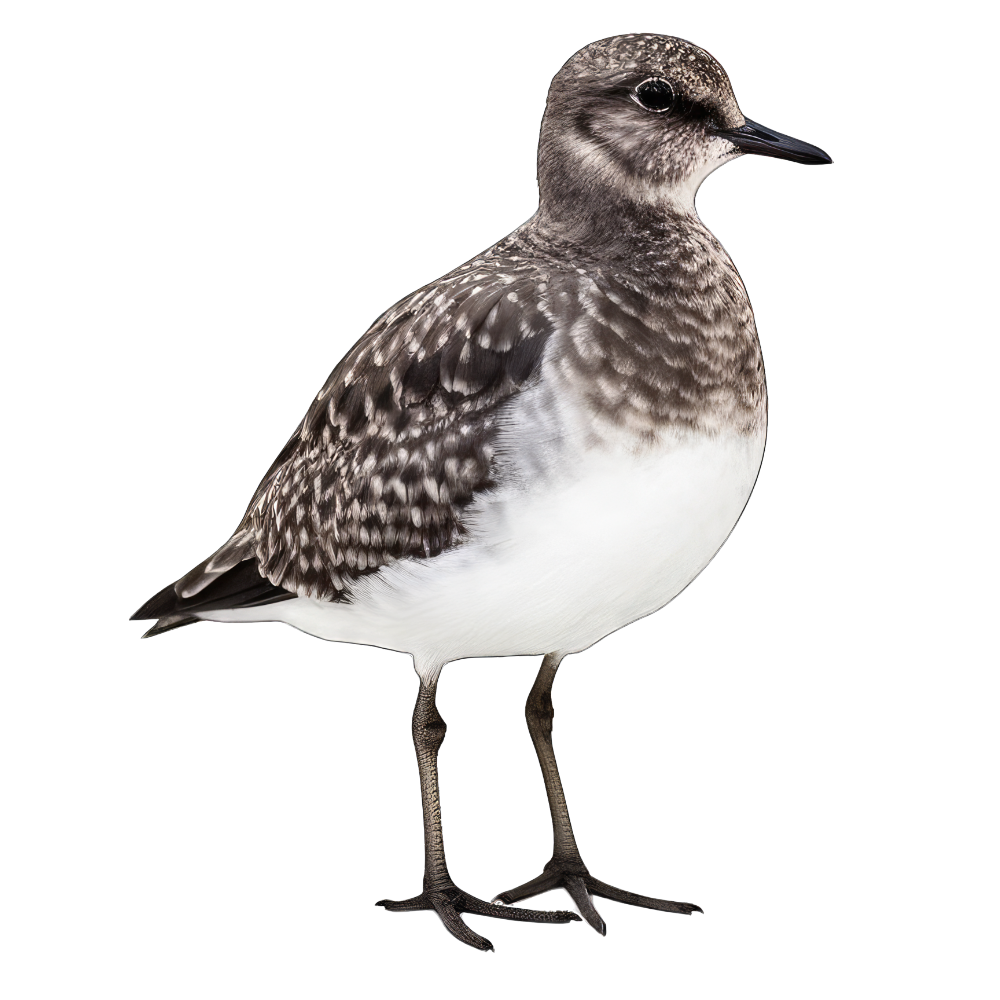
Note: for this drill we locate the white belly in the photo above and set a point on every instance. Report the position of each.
(555, 567)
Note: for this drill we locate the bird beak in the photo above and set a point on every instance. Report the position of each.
(754, 138)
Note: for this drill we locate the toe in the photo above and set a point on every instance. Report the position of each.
(479, 906)
(542, 883)
(459, 928)
(577, 888)
(404, 905)
(599, 888)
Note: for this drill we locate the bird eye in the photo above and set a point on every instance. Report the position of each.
(654, 94)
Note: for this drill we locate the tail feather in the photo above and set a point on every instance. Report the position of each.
(168, 623)
(240, 586)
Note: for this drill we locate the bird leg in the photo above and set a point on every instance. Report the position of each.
(440, 892)
(566, 868)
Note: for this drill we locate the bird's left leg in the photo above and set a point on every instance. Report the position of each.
(566, 867)
(440, 892)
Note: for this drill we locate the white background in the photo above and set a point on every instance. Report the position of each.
(204, 205)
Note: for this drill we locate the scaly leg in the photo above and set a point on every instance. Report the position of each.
(566, 868)
(440, 892)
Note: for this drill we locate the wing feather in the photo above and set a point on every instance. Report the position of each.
(398, 441)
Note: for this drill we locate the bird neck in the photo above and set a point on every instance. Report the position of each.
(609, 222)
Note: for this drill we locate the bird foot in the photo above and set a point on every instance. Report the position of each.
(572, 875)
(450, 903)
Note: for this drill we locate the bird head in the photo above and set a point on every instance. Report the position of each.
(641, 120)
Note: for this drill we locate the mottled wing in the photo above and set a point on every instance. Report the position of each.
(400, 439)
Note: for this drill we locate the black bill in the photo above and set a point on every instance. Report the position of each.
(754, 138)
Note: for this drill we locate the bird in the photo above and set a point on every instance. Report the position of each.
(542, 446)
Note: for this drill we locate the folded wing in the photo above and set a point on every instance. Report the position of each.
(392, 451)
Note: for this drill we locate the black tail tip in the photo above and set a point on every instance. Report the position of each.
(159, 606)
(168, 623)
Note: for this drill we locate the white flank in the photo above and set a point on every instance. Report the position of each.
(553, 563)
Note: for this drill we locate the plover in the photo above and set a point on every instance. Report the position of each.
(547, 443)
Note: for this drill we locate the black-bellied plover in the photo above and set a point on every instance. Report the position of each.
(549, 442)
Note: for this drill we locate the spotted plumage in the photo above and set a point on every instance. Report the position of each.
(401, 437)
(543, 445)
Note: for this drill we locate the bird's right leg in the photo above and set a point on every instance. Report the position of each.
(440, 892)
(566, 867)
